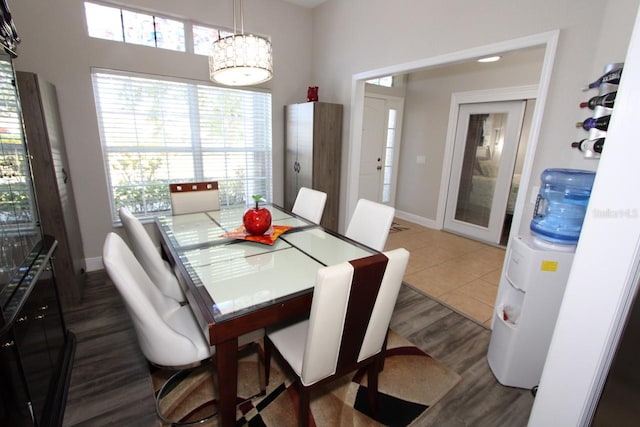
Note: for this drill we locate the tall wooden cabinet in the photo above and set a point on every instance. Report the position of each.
(313, 139)
(52, 183)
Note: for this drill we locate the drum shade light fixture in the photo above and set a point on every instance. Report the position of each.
(240, 59)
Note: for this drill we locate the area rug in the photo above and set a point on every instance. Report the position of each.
(410, 384)
(395, 227)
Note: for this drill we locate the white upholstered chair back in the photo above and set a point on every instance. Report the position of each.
(370, 224)
(194, 197)
(309, 204)
(168, 334)
(350, 313)
(159, 270)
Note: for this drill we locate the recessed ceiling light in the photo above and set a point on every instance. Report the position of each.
(490, 59)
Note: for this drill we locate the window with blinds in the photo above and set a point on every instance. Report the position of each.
(156, 131)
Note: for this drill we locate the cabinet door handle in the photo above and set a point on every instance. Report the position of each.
(7, 344)
(65, 177)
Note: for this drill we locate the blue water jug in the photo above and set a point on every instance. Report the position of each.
(562, 204)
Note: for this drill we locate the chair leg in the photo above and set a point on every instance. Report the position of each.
(261, 379)
(384, 350)
(167, 386)
(304, 412)
(267, 360)
(372, 383)
(261, 384)
(254, 346)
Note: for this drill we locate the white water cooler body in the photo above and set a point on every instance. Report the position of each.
(527, 309)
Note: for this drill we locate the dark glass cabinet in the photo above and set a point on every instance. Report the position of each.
(36, 349)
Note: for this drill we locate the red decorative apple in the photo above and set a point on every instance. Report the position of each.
(257, 220)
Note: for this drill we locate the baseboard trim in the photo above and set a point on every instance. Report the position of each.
(94, 264)
(416, 219)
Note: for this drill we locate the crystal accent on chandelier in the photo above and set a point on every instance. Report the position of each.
(241, 60)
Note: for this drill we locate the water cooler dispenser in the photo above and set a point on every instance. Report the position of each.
(535, 276)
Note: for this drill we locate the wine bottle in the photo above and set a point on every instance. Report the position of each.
(606, 100)
(594, 145)
(601, 123)
(611, 77)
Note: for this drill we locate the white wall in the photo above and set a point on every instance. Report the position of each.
(426, 117)
(605, 273)
(55, 45)
(411, 30)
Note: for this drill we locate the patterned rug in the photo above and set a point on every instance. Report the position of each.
(395, 227)
(410, 383)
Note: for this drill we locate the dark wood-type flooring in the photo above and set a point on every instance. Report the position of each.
(110, 384)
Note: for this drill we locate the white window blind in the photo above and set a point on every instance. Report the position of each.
(156, 131)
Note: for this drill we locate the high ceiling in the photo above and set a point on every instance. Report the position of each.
(306, 3)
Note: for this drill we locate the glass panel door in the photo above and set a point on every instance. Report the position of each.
(485, 147)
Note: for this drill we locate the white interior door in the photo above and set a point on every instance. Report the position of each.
(486, 143)
(373, 136)
(381, 136)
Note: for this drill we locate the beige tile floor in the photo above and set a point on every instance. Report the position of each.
(462, 273)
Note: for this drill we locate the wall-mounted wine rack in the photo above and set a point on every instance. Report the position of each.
(602, 106)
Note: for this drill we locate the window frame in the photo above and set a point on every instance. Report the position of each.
(381, 81)
(186, 34)
(188, 27)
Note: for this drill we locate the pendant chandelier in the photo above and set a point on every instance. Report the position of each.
(240, 59)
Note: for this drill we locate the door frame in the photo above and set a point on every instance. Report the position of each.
(548, 40)
(396, 103)
(515, 93)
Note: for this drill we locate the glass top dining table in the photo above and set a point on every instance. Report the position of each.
(241, 275)
(236, 286)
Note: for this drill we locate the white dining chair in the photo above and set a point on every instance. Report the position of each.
(346, 329)
(191, 197)
(168, 333)
(148, 255)
(309, 204)
(370, 224)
